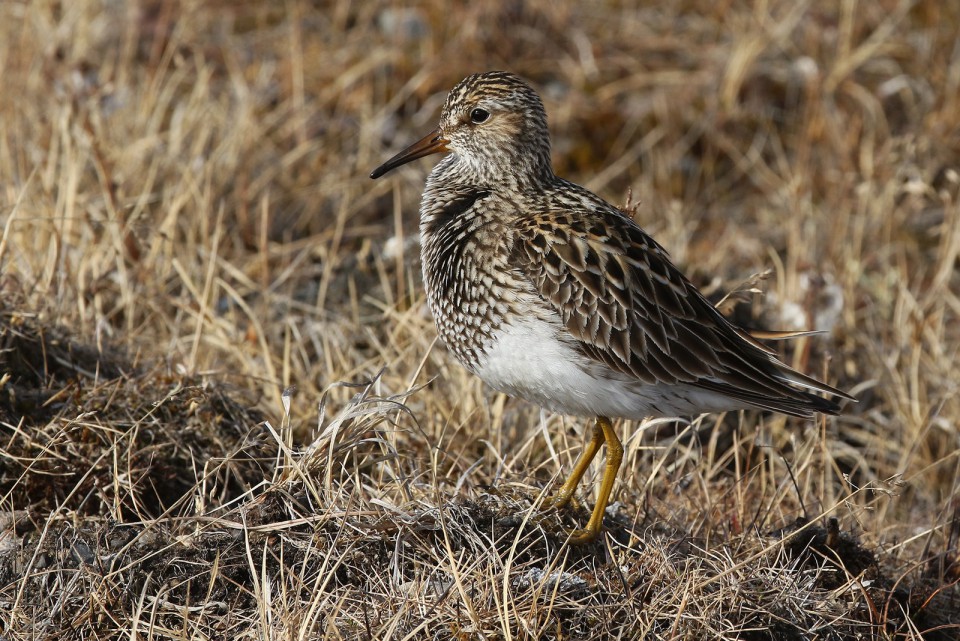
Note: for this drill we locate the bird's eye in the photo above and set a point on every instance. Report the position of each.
(479, 115)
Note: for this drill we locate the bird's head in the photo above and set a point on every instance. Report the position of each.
(494, 124)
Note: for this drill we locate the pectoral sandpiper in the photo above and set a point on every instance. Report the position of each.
(548, 293)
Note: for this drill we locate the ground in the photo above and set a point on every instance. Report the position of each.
(224, 413)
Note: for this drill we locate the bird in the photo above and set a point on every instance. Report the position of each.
(549, 293)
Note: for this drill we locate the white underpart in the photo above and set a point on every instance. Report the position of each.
(529, 361)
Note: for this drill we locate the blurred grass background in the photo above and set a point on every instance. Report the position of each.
(184, 205)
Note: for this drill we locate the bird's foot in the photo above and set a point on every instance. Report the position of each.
(558, 501)
(583, 536)
(579, 536)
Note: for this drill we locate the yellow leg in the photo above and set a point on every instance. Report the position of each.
(565, 493)
(603, 432)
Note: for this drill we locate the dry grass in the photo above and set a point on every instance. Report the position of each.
(188, 230)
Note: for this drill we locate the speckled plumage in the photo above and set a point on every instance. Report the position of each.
(549, 293)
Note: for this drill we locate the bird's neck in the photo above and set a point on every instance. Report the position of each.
(520, 173)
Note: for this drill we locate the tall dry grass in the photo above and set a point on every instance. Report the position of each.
(188, 230)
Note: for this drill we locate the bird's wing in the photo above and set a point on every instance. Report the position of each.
(627, 306)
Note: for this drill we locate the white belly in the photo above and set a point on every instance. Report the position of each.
(530, 362)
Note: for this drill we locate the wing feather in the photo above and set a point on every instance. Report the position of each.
(628, 307)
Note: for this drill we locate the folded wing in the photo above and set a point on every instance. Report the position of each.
(628, 307)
